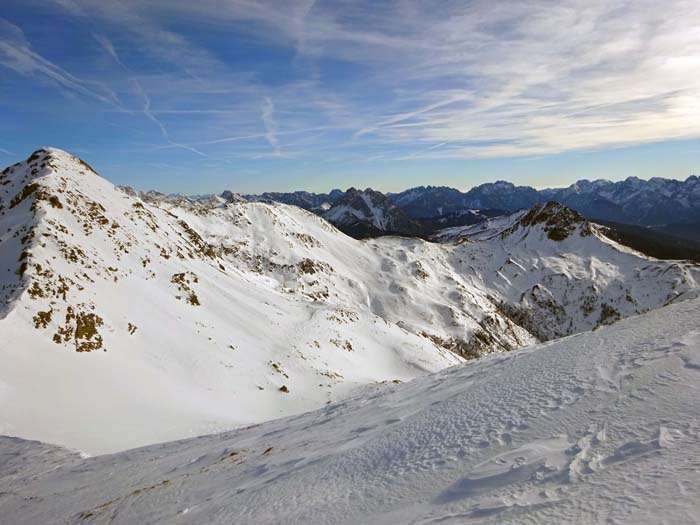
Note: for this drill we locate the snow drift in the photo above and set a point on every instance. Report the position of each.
(600, 426)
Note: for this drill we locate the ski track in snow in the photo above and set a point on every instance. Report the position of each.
(599, 427)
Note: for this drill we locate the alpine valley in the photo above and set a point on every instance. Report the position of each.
(129, 318)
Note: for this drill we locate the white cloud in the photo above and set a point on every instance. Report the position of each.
(17, 55)
(267, 111)
(454, 80)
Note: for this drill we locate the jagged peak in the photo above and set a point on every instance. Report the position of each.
(499, 184)
(558, 221)
(231, 196)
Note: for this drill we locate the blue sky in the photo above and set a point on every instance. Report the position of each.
(254, 95)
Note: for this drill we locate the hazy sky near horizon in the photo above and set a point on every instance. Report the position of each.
(255, 95)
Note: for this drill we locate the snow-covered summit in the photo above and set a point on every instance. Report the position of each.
(550, 220)
(230, 196)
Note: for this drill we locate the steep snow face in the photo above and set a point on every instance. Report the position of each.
(172, 317)
(602, 426)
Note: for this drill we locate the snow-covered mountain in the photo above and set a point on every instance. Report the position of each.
(652, 202)
(432, 201)
(429, 201)
(601, 427)
(316, 202)
(668, 205)
(230, 196)
(368, 211)
(501, 195)
(558, 274)
(648, 202)
(127, 321)
(146, 317)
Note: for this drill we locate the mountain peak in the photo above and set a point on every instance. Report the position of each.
(56, 154)
(558, 220)
(368, 211)
(44, 161)
(552, 220)
(230, 196)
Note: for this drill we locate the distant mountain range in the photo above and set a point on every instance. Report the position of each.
(432, 201)
(370, 213)
(664, 205)
(316, 202)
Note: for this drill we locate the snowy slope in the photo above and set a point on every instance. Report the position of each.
(601, 427)
(557, 274)
(126, 328)
(128, 321)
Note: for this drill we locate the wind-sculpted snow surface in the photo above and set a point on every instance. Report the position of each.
(599, 427)
(149, 318)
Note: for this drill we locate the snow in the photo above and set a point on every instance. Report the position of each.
(185, 370)
(602, 426)
(365, 206)
(286, 300)
(377, 213)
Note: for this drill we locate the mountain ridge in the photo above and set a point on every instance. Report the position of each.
(655, 203)
(270, 310)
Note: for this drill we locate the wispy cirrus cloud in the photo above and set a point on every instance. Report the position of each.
(403, 79)
(146, 110)
(526, 78)
(16, 54)
(267, 111)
